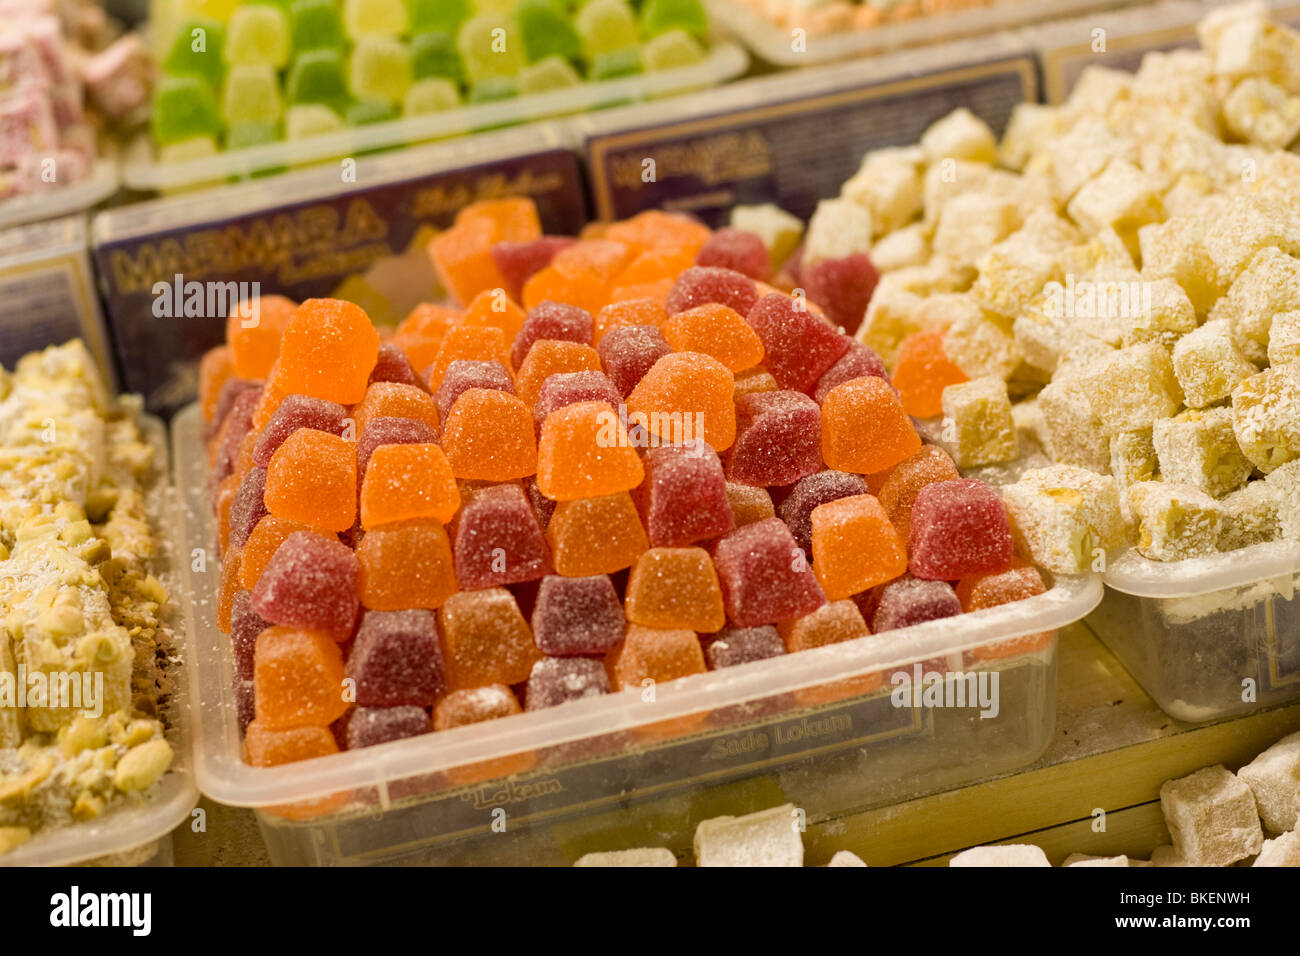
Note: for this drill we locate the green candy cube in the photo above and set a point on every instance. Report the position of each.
(258, 35)
(316, 25)
(490, 48)
(384, 18)
(552, 73)
(196, 51)
(671, 50)
(438, 16)
(660, 16)
(379, 69)
(607, 26)
(434, 55)
(184, 107)
(251, 96)
(432, 95)
(546, 31)
(318, 76)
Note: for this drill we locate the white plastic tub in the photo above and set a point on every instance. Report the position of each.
(63, 200)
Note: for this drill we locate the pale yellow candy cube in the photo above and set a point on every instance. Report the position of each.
(1211, 817)
(1199, 448)
(960, 135)
(889, 184)
(838, 228)
(1176, 250)
(1030, 127)
(767, 838)
(1274, 779)
(1174, 522)
(1283, 485)
(972, 223)
(1284, 338)
(1266, 416)
(977, 424)
(1251, 514)
(1133, 388)
(981, 345)
(1120, 197)
(1072, 434)
(1065, 518)
(1259, 111)
(1096, 92)
(1007, 855)
(909, 246)
(1208, 364)
(642, 856)
(1269, 284)
(1133, 459)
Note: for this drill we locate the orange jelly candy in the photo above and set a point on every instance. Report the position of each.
(273, 393)
(654, 291)
(683, 394)
(485, 639)
(1022, 580)
(898, 492)
(229, 585)
(473, 706)
(549, 357)
(226, 492)
(718, 331)
(262, 543)
(921, 373)
(616, 315)
(513, 218)
(407, 481)
(654, 265)
(395, 400)
(297, 679)
(478, 343)
(653, 229)
(651, 654)
(312, 478)
(328, 351)
(832, 623)
(865, 428)
(421, 333)
(270, 747)
(493, 307)
(406, 566)
(855, 546)
(675, 588)
(253, 332)
(595, 535)
(489, 435)
(753, 381)
(215, 369)
(552, 284)
(585, 453)
(599, 260)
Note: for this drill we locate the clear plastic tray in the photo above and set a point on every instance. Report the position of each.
(1208, 637)
(65, 200)
(773, 43)
(142, 171)
(136, 834)
(616, 770)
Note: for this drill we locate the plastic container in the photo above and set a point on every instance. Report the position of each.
(64, 200)
(725, 61)
(776, 44)
(140, 834)
(818, 728)
(1209, 637)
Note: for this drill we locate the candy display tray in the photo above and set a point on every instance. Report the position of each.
(63, 200)
(141, 170)
(140, 834)
(1208, 637)
(818, 728)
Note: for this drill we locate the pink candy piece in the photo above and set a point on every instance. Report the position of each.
(577, 616)
(763, 575)
(570, 388)
(858, 362)
(310, 582)
(737, 250)
(700, 285)
(627, 353)
(842, 287)
(497, 539)
(778, 439)
(683, 498)
(396, 659)
(908, 600)
(390, 431)
(551, 320)
(245, 625)
(558, 680)
(800, 345)
(240, 419)
(796, 511)
(959, 528)
(369, 726)
(233, 388)
(464, 374)
(297, 411)
(245, 703)
(519, 261)
(248, 508)
(393, 366)
(740, 645)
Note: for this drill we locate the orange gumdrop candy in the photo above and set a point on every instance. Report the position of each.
(585, 452)
(473, 706)
(312, 478)
(395, 400)
(406, 566)
(493, 307)
(549, 357)
(654, 291)
(489, 435)
(328, 351)
(898, 491)
(595, 535)
(683, 394)
(617, 315)
(655, 265)
(598, 260)
(653, 229)
(478, 343)
(749, 504)
(269, 747)
(754, 381)
(676, 588)
(297, 679)
(421, 333)
(865, 428)
(921, 373)
(832, 623)
(273, 393)
(215, 369)
(654, 654)
(718, 331)
(253, 332)
(855, 546)
(407, 481)
(485, 639)
(556, 286)
(514, 218)
(262, 543)
(226, 590)
(1022, 580)
(462, 255)
(226, 492)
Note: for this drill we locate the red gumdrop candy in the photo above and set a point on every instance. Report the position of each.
(245, 625)
(812, 491)
(497, 539)
(369, 726)
(859, 361)
(396, 660)
(558, 680)
(959, 528)
(683, 498)
(764, 576)
(737, 250)
(520, 261)
(231, 390)
(390, 431)
(577, 616)
(464, 374)
(778, 439)
(570, 388)
(842, 287)
(800, 345)
(740, 645)
(627, 353)
(238, 422)
(908, 600)
(310, 582)
(298, 411)
(392, 365)
(248, 508)
(551, 320)
(701, 285)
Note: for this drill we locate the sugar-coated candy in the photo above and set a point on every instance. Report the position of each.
(520, 261)
(908, 600)
(489, 436)
(898, 491)
(558, 680)
(738, 251)
(569, 388)
(315, 25)
(865, 428)
(977, 415)
(551, 320)
(748, 504)
(764, 575)
(396, 660)
(543, 506)
(474, 705)
(702, 285)
(310, 582)
(327, 351)
(1022, 580)
(371, 726)
(550, 357)
(184, 109)
(921, 373)
(684, 497)
(234, 430)
(1266, 416)
(809, 492)
(623, 312)
(595, 535)
(257, 34)
(1211, 817)
(641, 856)
(253, 333)
(1208, 364)
(1064, 517)
(958, 528)
(753, 381)
(577, 616)
(297, 679)
(628, 352)
(374, 17)
(406, 565)
(379, 70)
(800, 345)
(651, 654)
(270, 747)
(1282, 851)
(1133, 388)
(675, 588)
(228, 588)
(767, 838)
(584, 452)
(216, 371)
(1009, 854)
(715, 330)
(390, 431)
(479, 343)
(408, 481)
(464, 374)
(395, 400)
(685, 397)
(740, 645)
(497, 540)
(842, 286)
(312, 477)
(845, 858)
(1272, 777)
(245, 625)
(485, 639)
(1199, 448)
(832, 623)
(778, 439)
(858, 361)
(298, 411)
(1174, 522)
(422, 332)
(267, 536)
(855, 547)
(248, 507)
